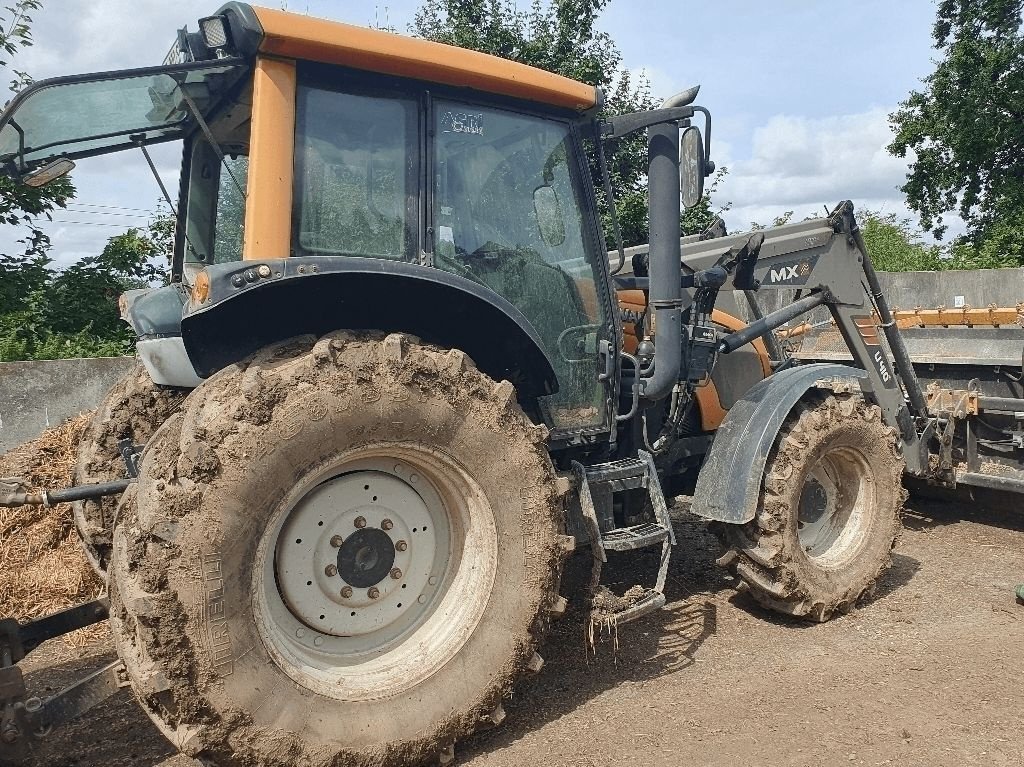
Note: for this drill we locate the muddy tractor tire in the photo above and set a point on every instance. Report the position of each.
(342, 551)
(133, 409)
(829, 514)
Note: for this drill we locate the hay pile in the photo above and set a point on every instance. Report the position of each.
(42, 567)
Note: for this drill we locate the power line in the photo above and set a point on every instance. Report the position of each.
(109, 213)
(98, 223)
(109, 207)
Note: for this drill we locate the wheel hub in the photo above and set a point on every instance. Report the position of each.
(358, 553)
(366, 558)
(813, 502)
(832, 503)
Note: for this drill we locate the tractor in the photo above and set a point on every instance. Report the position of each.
(395, 381)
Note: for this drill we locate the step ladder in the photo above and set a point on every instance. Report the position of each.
(617, 476)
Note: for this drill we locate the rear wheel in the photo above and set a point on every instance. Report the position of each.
(830, 510)
(133, 409)
(340, 552)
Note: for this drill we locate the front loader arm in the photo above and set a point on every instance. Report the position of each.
(825, 260)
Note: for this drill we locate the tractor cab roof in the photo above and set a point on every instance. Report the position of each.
(304, 37)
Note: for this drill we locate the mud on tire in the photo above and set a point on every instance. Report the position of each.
(829, 514)
(133, 409)
(232, 487)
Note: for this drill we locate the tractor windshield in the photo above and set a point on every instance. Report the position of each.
(94, 114)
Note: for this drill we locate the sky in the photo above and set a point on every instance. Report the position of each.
(799, 90)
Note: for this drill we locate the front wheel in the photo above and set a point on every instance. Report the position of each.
(829, 513)
(342, 551)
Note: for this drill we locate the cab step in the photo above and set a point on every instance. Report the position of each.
(636, 537)
(618, 476)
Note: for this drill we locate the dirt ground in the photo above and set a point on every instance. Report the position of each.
(929, 673)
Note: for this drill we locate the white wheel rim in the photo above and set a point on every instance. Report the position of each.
(835, 505)
(400, 619)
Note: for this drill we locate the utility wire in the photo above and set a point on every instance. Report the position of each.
(108, 207)
(109, 213)
(98, 223)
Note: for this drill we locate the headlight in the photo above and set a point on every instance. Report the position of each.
(214, 30)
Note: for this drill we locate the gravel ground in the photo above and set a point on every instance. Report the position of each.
(929, 673)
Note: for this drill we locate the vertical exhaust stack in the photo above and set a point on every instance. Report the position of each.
(666, 293)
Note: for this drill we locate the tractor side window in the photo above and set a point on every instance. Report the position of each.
(355, 174)
(508, 214)
(216, 205)
(230, 215)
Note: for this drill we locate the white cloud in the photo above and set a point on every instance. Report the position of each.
(801, 164)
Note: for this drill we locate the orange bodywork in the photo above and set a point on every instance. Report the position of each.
(304, 37)
(268, 212)
(633, 307)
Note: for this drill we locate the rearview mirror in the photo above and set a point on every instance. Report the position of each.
(692, 166)
(49, 172)
(549, 215)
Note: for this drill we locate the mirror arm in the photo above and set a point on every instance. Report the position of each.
(708, 162)
(623, 125)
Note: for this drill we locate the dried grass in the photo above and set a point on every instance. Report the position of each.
(42, 567)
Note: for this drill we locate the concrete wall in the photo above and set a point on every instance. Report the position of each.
(37, 395)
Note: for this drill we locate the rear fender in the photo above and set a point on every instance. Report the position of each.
(729, 484)
(251, 304)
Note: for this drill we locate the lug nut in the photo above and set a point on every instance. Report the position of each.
(401, 545)
(331, 571)
(336, 541)
(346, 592)
(360, 522)
(387, 524)
(396, 573)
(373, 593)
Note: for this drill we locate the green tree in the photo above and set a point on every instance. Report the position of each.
(561, 36)
(896, 246)
(21, 206)
(47, 312)
(966, 128)
(73, 312)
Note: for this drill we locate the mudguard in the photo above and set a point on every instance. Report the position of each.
(729, 484)
(253, 303)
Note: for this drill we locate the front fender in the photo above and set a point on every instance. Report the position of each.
(729, 484)
(254, 303)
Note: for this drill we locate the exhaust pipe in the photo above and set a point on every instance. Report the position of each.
(666, 293)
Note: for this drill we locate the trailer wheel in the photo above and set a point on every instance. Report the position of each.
(133, 409)
(343, 551)
(830, 510)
